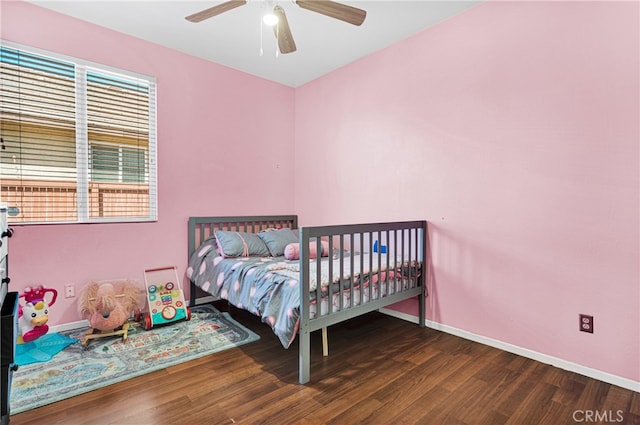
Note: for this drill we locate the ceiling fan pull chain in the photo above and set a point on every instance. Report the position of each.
(277, 35)
(261, 31)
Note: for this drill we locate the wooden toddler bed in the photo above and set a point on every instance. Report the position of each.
(266, 265)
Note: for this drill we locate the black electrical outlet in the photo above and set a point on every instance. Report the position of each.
(586, 323)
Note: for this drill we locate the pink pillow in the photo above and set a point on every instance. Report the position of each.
(292, 251)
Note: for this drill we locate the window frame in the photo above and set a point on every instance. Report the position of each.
(83, 166)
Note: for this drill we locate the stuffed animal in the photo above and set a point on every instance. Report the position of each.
(292, 250)
(34, 314)
(108, 305)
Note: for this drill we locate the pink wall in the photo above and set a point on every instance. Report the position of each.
(513, 129)
(207, 116)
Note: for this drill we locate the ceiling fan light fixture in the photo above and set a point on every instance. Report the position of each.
(278, 19)
(270, 19)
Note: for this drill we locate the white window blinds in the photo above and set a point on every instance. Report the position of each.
(78, 143)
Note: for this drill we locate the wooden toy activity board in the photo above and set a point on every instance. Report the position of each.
(165, 297)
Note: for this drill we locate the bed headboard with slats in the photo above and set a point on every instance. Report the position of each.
(201, 228)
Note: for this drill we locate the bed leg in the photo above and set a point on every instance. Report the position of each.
(325, 342)
(192, 295)
(422, 306)
(305, 356)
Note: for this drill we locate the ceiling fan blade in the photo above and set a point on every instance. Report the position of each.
(344, 12)
(283, 32)
(215, 10)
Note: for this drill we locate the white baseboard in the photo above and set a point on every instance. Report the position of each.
(524, 352)
(69, 326)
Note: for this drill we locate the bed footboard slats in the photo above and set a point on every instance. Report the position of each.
(369, 266)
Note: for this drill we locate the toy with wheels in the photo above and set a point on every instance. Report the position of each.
(165, 297)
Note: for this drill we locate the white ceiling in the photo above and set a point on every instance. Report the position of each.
(234, 38)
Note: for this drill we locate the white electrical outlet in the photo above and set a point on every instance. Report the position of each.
(69, 291)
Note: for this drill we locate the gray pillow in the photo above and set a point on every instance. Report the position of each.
(277, 240)
(240, 244)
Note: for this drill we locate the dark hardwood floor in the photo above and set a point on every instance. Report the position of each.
(381, 370)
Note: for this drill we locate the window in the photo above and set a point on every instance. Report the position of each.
(77, 140)
(116, 164)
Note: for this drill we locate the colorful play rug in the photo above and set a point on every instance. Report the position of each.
(76, 370)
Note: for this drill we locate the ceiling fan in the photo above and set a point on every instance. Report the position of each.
(281, 30)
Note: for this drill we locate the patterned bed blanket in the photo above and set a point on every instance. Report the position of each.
(268, 287)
